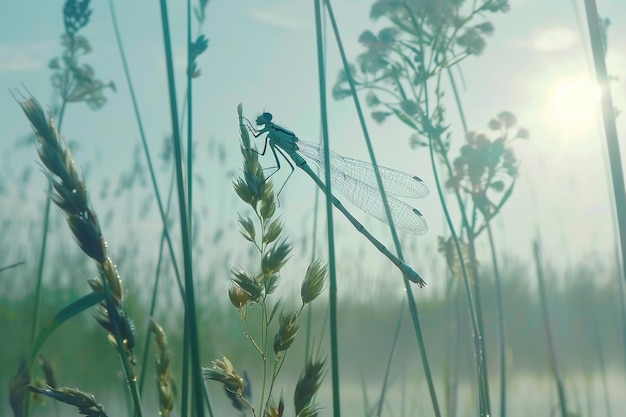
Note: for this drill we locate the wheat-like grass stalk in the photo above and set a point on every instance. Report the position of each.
(165, 385)
(84, 402)
(254, 290)
(70, 194)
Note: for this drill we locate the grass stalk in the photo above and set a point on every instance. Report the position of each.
(471, 237)
(474, 301)
(550, 341)
(162, 211)
(500, 318)
(476, 335)
(332, 290)
(608, 119)
(475, 273)
(394, 343)
(40, 265)
(70, 194)
(621, 299)
(191, 327)
(155, 288)
(612, 141)
(146, 149)
(409, 290)
(189, 95)
(479, 316)
(598, 345)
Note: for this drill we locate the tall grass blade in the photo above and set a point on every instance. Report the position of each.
(72, 309)
(190, 59)
(409, 290)
(5, 268)
(476, 334)
(500, 315)
(193, 370)
(546, 322)
(332, 290)
(144, 143)
(608, 119)
(598, 49)
(394, 343)
(471, 237)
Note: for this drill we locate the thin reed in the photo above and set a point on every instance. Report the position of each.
(347, 76)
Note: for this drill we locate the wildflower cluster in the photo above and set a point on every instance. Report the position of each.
(71, 80)
(486, 168)
(423, 39)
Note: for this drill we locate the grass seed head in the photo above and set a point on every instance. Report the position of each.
(247, 283)
(275, 258)
(307, 387)
(224, 372)
(287, 331)
(248, 232)
(164, 382)
(85, 402)
(270, 283)
(113, 280)
(274, 230)
(245, 192)
(238, 297)
(275, 411)
(268, 205)
(314, 281)
(71, 192)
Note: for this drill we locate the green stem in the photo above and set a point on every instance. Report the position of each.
(190, 304)
(157, 274)
(480, 370)
(332, 290)
(127, 367)
(408, 288)
(608, 118)
(501, 327)
(264, 330)
(550, 340)
(471, 238)
(189, 120)
(144, 143)
(394, 343)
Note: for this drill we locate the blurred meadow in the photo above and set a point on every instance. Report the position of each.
(152, 260)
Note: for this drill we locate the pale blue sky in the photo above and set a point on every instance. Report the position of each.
(262, 53)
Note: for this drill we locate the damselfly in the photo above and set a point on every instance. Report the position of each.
(356, 181)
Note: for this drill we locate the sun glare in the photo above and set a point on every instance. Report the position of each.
(573, 103)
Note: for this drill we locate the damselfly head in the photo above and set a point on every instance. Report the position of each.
(264, 119)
